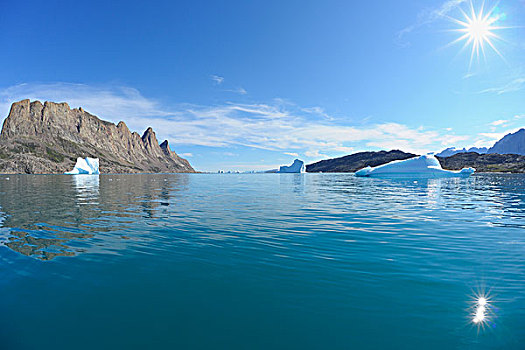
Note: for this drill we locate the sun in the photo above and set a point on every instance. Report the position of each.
(477, 30)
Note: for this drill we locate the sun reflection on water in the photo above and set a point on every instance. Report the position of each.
(481, 310)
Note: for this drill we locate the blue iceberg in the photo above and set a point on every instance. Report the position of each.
(86, 165)
(422, 166)
(296, 167)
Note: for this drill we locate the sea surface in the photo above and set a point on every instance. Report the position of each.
(261, 261)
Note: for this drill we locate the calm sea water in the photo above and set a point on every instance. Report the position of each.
(290, 261)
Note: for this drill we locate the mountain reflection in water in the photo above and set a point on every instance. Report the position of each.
(50, 216)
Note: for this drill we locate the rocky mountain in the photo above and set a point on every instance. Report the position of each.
(513, 163)
(453, 150)
(510, 144)
(356, 161)
(46, 138)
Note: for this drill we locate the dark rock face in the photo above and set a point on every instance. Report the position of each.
(513, 163)
(46, 138)
(510, 144)
(356, 161)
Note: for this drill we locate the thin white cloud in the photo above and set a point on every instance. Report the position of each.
(451, 140)
(277, 126)
(217, 79)
(186, 155)
(113, 103)
(315, 155)
(487, 139)
(516, 84)
(499, 122)
(318, 110)
(293, 154)
(469, 75)
(240, 91)
(427, 17)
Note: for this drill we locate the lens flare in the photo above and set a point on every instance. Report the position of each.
(477, 30)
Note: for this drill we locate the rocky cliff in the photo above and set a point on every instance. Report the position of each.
(510, 144)
(47, 138)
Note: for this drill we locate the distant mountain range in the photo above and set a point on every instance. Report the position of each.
(513, 143)
(47, 138)
(453, 150)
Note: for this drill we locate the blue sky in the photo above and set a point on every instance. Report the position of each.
(241, 85)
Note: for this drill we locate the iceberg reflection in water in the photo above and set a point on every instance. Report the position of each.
(87, 186)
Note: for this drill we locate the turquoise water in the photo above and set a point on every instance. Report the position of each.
(290, 261)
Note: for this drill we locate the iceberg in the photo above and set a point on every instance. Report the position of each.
(85, 166)
(296, 167)
(426, 166)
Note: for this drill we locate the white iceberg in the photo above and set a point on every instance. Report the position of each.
(422, 166)
(85, 166)
(296, 167)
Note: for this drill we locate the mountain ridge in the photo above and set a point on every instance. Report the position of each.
(512, 143)
(47, 138)
(353, 162)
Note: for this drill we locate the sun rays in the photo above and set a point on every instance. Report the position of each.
(478, 30)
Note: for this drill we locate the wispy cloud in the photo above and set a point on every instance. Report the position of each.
(427, 17)
(315, 155)
(318, 110)
(276, 126)
(487, 139)
(293, 154)
(111, 102)
(217, 79)
(239, 90)
(499, 122)
(512, 86)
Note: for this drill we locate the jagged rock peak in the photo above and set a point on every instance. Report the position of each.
(123, 127)
(49, 103)
(165, 147)
(149, 138)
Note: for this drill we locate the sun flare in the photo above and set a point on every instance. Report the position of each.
(481, 310)
(478, 30)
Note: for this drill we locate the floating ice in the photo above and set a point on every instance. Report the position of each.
(85, 166)
(422, 166)
(296, 167)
